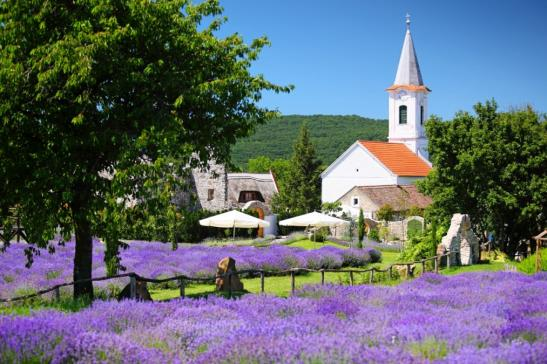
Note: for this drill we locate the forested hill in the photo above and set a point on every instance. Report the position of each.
(331, 135)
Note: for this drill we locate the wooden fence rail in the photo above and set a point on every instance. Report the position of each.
(182, 279)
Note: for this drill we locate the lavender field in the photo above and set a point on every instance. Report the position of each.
(470, 318)
(153, 260)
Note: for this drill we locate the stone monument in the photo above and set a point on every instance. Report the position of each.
(223, 283)
(461, 240)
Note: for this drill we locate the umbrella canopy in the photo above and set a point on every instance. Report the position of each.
(313, 219)
(234, 219)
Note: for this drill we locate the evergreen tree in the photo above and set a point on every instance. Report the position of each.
(360, 229)
(301, 191)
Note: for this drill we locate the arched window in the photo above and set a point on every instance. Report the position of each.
(402, 114)
(421, 114)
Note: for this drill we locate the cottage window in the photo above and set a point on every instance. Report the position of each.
(246, 196)
(355, 201)
(402, 114)
(210, 194)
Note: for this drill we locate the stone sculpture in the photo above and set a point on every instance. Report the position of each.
(141, 292)
(223, 283)
(461, 240)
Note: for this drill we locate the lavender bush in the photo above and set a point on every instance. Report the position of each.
(153, 260)
(470, 318)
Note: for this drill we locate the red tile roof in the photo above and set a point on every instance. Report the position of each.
(398, 158)
(409, 88)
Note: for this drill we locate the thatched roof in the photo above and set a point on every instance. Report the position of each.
(260, 182)
(400, 198)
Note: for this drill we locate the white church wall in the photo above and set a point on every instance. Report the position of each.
(408, 180)
(356, 167)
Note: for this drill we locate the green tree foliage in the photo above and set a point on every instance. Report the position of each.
(421, 246)
(385, 213)
(101, 100)
(301, 191)
(331, 208)
(360, 229)
(279, 167)
(331, 134)
(490, 165)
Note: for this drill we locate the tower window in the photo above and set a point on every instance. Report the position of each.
(421, 114)
(402, 114)
(210, 194)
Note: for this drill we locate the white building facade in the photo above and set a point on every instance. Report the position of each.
(401, 161)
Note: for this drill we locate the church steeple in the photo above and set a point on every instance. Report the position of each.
(408, 72)
(408, 100)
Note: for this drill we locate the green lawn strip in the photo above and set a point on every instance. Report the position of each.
(487, 266)
(275, 285)
(310, 245)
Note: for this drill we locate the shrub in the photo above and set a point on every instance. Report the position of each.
(374, 235)
(360, 229)
(385, 213)
(528, 264)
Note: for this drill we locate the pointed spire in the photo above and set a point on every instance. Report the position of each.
(408, 72)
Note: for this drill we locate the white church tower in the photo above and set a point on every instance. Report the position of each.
(408, 101)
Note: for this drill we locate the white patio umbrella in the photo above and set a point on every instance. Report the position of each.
(234, 219)
(315, 219)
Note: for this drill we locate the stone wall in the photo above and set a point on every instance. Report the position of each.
(211, 187)
(206, 189)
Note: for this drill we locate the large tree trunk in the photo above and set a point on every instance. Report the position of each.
(83, 257)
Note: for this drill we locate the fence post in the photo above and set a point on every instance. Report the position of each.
(292, 281)
(230, 284)
(448, 259)
(423, 266)
(390, 272)
(322, 277)
(133, 287)
(181, 287)
(351, 278)
(436, 264)
(408, 271)
(57, 294)
(262, 281)
(371, 276)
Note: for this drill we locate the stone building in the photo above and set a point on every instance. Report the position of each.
(214, 189)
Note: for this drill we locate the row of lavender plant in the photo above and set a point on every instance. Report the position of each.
(470, 318)
(153, 260)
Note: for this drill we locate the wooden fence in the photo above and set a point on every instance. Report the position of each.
(182, 279)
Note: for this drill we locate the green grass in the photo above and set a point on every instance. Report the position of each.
(310, 245)
(24, 308)
(486, 266)
(276, 285)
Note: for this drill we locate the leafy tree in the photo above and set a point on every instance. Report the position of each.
(301, 192)
(490, 165)
(414, 211)
(360, 229)
(331, 207)
(385, 213)
(107, 102)
(279, 167)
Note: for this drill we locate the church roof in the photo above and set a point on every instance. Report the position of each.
(408, 73)
(397, 158)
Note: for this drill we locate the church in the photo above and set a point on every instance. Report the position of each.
(370, 174)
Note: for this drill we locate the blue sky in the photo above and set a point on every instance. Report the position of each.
(341, 55)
